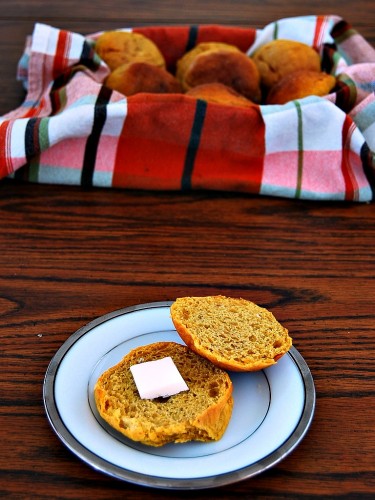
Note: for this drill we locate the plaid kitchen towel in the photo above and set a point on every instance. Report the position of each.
(71, 129)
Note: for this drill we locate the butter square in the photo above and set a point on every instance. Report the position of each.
(159, 378)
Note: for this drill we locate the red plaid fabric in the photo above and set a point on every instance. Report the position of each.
(73, 130)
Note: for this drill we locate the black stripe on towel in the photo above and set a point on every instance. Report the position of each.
(87, 57)
(195, 137)
(100, 115)
(32, 138)
(32, 147)
(192, 38)
(366, 158)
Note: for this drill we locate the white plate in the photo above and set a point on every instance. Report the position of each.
(272, 411)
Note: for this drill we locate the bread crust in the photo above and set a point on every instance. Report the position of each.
(234, 334)
(123, 47)
(280, 57)
(300, 84)
(218, 93)
(136, 77)
(201, 414)
(216, 72)
(184, 63)
(221, 63)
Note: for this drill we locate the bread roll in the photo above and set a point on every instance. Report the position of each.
(120, 47)
(235, 334)
(136, 77)
(221, 63)
(202, 413)
(280, 57)
(219, 94)
(301, 84)
(189, 57)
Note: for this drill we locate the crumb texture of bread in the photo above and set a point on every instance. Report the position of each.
(201, 414)
(233, 333)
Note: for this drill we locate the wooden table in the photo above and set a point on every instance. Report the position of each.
(69, 255)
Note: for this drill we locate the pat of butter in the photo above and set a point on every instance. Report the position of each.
(159, 378)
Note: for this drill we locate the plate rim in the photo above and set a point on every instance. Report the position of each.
(101, 465)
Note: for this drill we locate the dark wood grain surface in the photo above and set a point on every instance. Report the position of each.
(69, 255)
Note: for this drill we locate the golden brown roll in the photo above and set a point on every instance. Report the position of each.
(278, 58)
(219, 94)
(120, 47)
(130, 79)
(187, 59)
(301, 84)
(222, 63)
